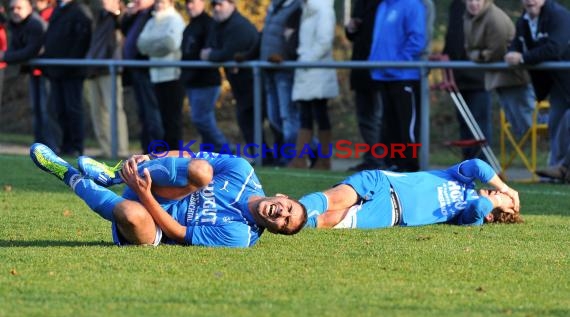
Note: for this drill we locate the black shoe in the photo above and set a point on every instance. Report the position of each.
(556, 172)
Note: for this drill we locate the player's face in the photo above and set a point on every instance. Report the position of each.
(280, 214)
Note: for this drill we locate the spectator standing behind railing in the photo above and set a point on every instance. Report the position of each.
(312, 87)
(234, 34)
(399, 35)
(279, 41)
(561, 171)
(106, 44)
(488, 32)
(543, 34)
(368, 102)
(68, 37)
(202, 85)
(470, 82)
(27, 31)
(44, 8)
(161, 39)
(137, 14)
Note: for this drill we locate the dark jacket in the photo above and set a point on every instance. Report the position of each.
(26, 40)
(131, 27)
(233, 36)
(105, 41)
(365, 10)
(194, 39)
(466, 79)
(68, 36)
(281, 14)
(553, 44)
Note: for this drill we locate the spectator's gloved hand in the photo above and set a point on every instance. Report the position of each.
(275, 58)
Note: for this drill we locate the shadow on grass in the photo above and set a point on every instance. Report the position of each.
(51, 243)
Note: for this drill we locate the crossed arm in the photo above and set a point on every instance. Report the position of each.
(200, 174)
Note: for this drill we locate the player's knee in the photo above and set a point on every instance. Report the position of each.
(132, 215)
(200, 173)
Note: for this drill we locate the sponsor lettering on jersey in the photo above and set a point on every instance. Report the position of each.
(450, 197)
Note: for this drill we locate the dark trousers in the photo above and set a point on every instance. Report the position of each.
(401, 123)
(369, 112)
(66, 99)
(149, 114)
(242, 89)
(170, 96)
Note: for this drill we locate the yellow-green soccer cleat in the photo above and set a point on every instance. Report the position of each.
(48, 161)
(100, 173)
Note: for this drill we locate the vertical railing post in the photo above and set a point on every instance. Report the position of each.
(257, 113)
(113, 110)
(424, 126)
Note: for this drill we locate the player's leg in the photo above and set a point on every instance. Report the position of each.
(99, 199)
(168, 171)
(134, 225)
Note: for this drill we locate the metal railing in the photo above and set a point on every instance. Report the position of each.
(258, 66)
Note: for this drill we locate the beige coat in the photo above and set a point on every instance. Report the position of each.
(487, 37)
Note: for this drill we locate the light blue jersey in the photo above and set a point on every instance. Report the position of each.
(446, 196)
(218, 214)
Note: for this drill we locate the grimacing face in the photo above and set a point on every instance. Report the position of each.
(280, 214)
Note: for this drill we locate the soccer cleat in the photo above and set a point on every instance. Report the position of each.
(100, 173)
(48, 161)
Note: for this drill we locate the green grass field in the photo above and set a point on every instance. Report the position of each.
(57, 259)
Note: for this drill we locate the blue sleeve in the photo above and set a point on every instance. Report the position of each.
(233, 234)
(475, 212)
(315, 204)
(470, 170)
(415, 28)
(224, 162)
(365, 183)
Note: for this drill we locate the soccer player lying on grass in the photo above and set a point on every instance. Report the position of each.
(378, 199)
(214, 201)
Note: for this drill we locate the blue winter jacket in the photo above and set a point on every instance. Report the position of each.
(399, 35)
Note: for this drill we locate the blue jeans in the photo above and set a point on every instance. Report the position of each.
(518, 104)
(479, 102)
(281, 110)
(558, 106)
(149, 113)
(202, 104)
(43, 122)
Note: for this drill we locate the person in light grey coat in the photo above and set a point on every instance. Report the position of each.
(314, 86)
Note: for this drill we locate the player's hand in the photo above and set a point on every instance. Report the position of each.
(139, 158)
(129, 174)
(514, 195)
(503, 202)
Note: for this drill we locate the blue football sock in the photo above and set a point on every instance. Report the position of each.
(98, 198)
(169, 171)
